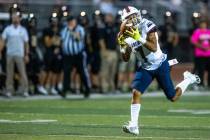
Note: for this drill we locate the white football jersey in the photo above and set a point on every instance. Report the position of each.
(147, 59)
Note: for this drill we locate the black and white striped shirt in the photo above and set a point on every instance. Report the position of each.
(71, 45)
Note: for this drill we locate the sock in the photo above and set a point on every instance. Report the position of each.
(135, 109)
(184, 84)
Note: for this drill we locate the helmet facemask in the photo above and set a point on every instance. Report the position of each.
(133, 20)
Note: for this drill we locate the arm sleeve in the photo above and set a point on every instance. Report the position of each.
(4, 34)
(25, 37)
(132, 43)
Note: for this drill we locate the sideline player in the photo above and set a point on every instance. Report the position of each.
(140, 37)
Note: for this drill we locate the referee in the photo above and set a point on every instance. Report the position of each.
(73, 36)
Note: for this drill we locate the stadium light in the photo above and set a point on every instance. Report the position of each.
(65, 14)
(31, 15)
(18, 13)
(54, 14)
(97, 12)
(83, 13)
(168, 13)
(15, 5)
(196, 14)
(63, 8)
(144, 11)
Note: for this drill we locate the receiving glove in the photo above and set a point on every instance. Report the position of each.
(134, 33)
(121, 39)
(121, 42)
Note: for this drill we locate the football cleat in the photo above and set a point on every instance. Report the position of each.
(8, 94)
(193, 78)
(128, 128)
(25, 94)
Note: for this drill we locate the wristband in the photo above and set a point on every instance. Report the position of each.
(143, 41)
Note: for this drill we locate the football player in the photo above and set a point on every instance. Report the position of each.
(139, 36)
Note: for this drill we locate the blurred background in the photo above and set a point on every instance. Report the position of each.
(44, 20)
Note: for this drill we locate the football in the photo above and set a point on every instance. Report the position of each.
(123, 27)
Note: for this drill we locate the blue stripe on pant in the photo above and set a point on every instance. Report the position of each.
(80, 62)
(143, 78)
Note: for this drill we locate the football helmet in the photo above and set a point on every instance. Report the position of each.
(132, 15)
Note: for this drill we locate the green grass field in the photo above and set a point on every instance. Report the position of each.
(78, 119)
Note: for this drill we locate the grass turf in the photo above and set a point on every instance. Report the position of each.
(102, 119)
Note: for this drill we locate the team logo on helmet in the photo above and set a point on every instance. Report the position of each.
(132, 15)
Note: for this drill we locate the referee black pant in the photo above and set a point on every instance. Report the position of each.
(80, 62)
(202, 64)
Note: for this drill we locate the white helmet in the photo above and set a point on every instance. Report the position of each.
(128, 11)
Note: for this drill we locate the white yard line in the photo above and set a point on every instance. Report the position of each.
(171, 116)
(98, 115)
(191, 111)
(156, 126)
(111, 137)
(48, 121)
(27, 121)
(159, 126)
(124, 137)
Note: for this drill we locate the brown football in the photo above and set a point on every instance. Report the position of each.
(123, 26)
